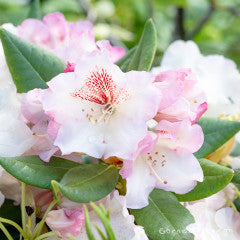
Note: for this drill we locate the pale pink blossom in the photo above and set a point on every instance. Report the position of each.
(64, 221)
(65, 39)
(182, 99)
(99, 108)
(115, 52)
(222, 224)
(15, 136)
(217, 76)
(39, 123)
(214, 218)
(164, 160)
(10, 188)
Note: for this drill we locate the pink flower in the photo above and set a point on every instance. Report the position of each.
(65, 221)
(70, 67)
(100, 110)
(65, 39)
(182, 99)
(164, 160)
(33, 112)
(115, 52)
(217, 76)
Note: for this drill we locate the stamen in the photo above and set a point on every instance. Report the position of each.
(92, 120)
(107, 111)
(156, 175)
(39, 135)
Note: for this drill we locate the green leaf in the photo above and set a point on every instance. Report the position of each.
(216, 177)
(33, 171)
(144, 54)
(216, 133)
(123, 63)
(164, 218)
(30, 66)
(88, 182)
(35, 11)
(236, 177)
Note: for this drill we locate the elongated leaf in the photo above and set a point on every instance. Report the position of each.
(30, 66)
(103, 215)
(88, 182)
(216, 177)
(35, 11)
(87, 224)
(123, 63)
(216, 133)
(164, 218)
(146, 48)
(33, 171)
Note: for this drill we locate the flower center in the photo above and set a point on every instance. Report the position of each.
(100, 88)
(105, 114)
(102, 93)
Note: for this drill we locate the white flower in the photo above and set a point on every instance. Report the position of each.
(217, 76)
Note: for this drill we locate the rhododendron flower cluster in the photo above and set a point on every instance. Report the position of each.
(215, 219)
(64, 221)
(109, 132)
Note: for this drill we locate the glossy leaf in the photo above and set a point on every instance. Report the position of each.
(30, 66)
(164, 218)
(216, 177)
(88, 182)
(144, 54)
(216, 133)
(33, 171)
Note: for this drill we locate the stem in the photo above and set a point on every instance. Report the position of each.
(237, 192)
(179, 32)
(39, 227)
(14, 225)
(23, 203)
(231, 203)
(5, 231)
(45, 235)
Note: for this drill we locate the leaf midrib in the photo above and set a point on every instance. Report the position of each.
(150, 199)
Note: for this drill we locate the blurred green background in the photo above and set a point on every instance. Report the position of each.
(213, 24)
